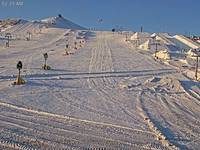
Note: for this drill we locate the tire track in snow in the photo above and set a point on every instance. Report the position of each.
(101, 85)
(42, 113)
(142, 111)
(56, 127)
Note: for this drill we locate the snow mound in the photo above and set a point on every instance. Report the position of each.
(60, 22)
(140, 35)
(22, 21)
(8, 23)
(164, 38)
(163, 54)
(187, 41)
(164, 84)
(23, 26)
(153, 80)
(146, 45)
(192, 53)
(171, 83)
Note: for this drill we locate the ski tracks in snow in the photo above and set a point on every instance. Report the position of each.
(101, 61)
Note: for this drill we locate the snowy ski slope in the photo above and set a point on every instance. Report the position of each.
(106, 94)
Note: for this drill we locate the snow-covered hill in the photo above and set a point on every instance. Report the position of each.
(18, 25)
(60, 22)
(102, 92)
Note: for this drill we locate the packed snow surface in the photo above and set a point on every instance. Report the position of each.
(105, 94)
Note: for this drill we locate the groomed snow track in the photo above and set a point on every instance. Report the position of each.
(106, 96)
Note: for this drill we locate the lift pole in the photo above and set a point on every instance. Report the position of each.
(196, 68)
(197, 55)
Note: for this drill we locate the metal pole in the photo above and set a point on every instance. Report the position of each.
(19, 74)
(45, 60)
(196, 70)
(137, 42)
(156, 49)
(8, 41)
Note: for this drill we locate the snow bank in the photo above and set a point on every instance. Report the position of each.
(187, 41)
(191, 74)
(140, 35)
(146, 45)
(163, 54)
(159, 83)
(192, 53)
(164, 38)
(35, 26)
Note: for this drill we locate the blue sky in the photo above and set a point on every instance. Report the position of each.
(174, 16)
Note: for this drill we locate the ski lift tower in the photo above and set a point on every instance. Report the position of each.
(156, 43)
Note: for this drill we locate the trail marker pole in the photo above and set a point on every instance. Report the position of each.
(75, 43)
(45, 59)
(45, 66)
(19, 80)
(66, 49)
(19, 67)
